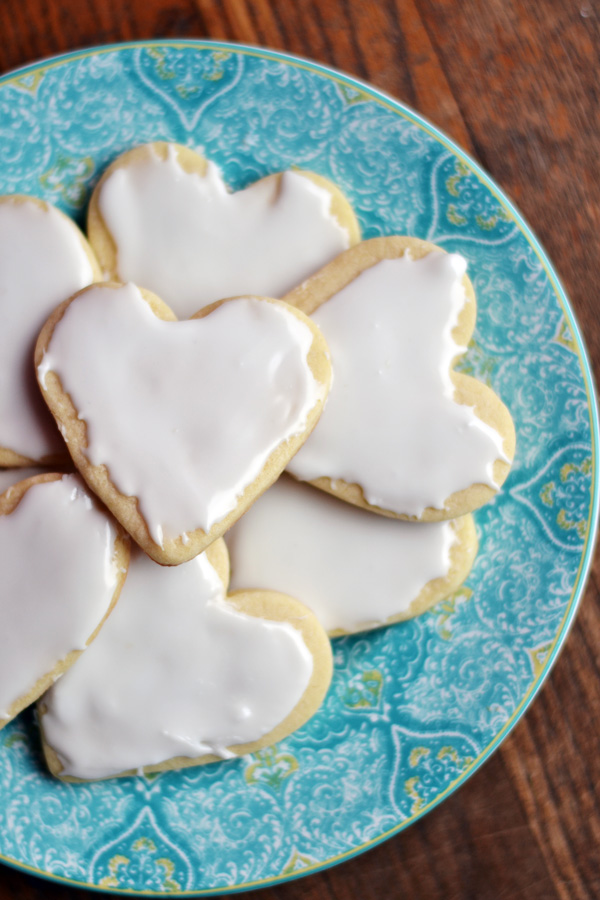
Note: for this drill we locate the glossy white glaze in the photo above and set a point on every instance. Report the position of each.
(42, 262)
(176, 671)
(184, 414)
(391, 424)
(58, 579)
(349, 566)
(188, 239)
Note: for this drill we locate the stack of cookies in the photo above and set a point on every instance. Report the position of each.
(202, 343)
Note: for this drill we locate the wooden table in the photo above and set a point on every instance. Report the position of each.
(516, 83)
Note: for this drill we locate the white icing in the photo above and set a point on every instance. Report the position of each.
(190, 240)
(10, 477)
(184, 414)
(349, 566)
(176, 671)
(391, 424)
(42, 262)
(58, 579)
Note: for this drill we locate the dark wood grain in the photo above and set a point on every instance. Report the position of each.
(516, 83)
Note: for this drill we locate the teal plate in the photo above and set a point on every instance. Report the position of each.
(413, 709)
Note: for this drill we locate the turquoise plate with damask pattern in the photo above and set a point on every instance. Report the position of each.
(413, 709)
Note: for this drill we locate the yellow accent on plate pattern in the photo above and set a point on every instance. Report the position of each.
(364, 691)
(539, 656)
(452, 753)
(68, 178)
(30, 82)
(296, 862)
(114, 865)
(270, 767)
(410, 786)
(444, 610)
(416, 755)
(565, 337)
(572, 469)
(453, 181)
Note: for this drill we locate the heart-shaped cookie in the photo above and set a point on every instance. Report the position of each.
(182, 675)
(162, 217)
(63, 564)
(403, 434)
(353, 569)
(44, 258)
(179, 426)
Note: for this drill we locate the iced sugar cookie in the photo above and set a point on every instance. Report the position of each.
(353, 569)
(63, 563)
(44, 259)
(179, 426)
(403, 434)
(182, 675)
(162, 217)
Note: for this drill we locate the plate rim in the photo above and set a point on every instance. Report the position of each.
(583, 572)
